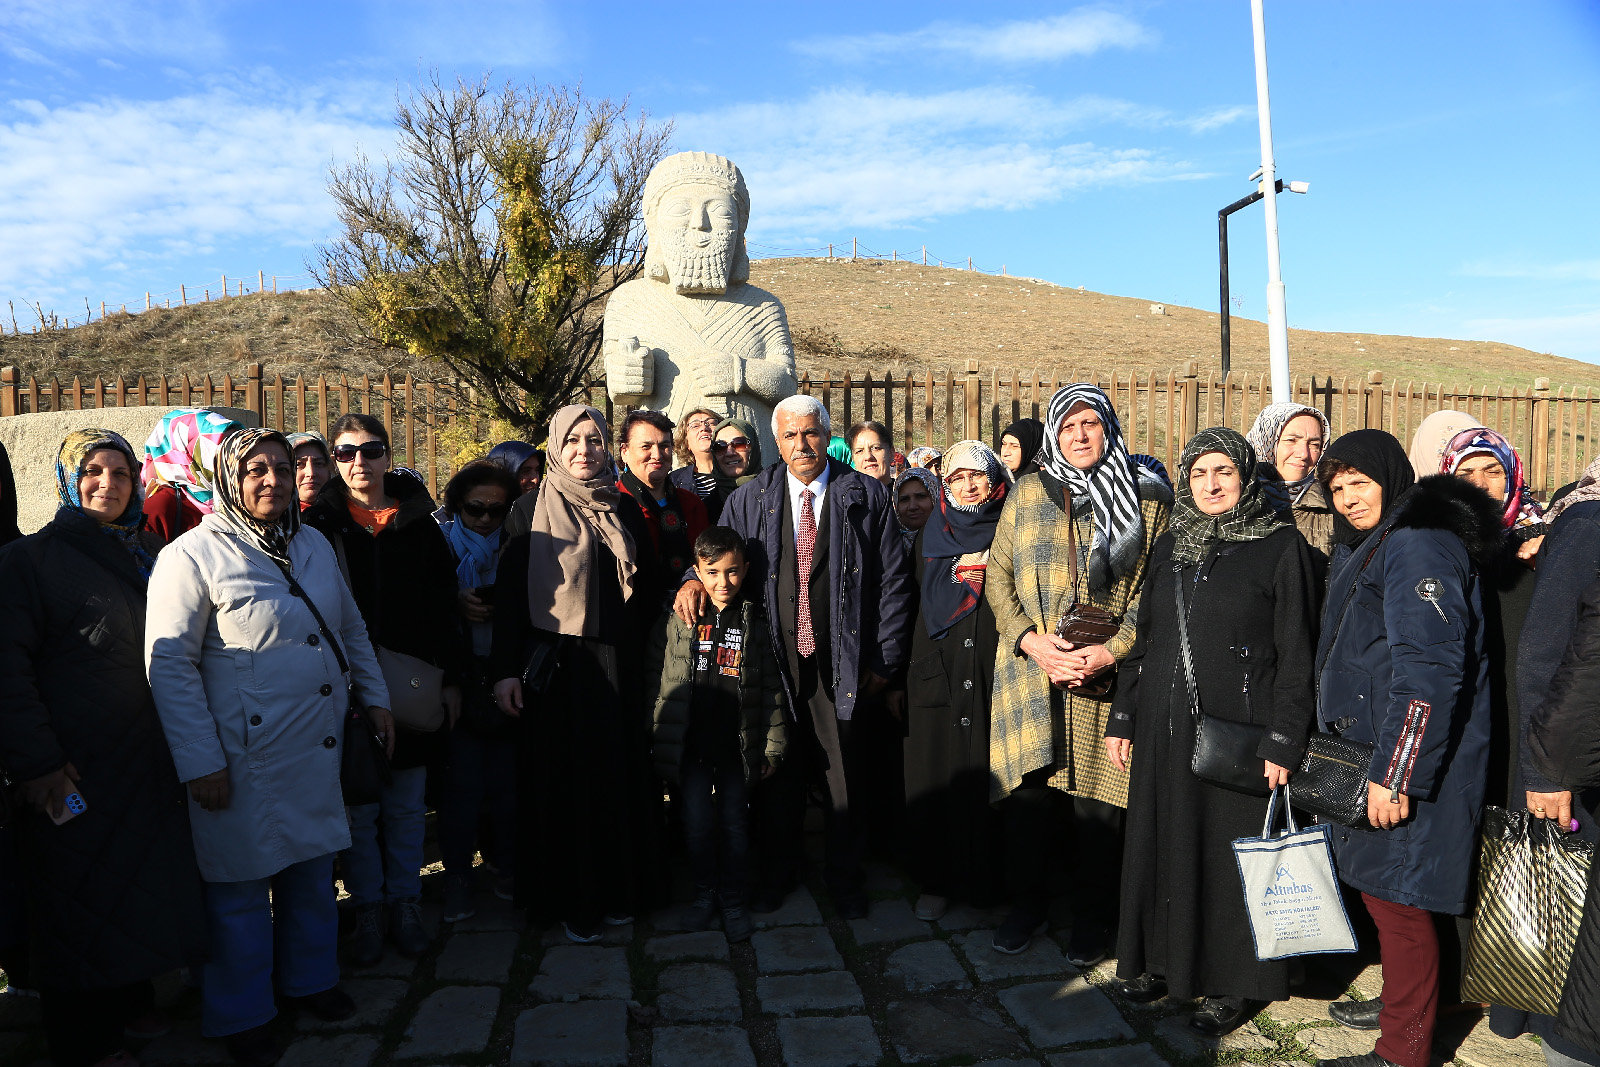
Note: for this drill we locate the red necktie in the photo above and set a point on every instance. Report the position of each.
(805, 543)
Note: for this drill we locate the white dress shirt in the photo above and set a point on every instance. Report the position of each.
(819, 497)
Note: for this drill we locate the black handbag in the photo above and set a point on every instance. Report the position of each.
(1224, 750)
(541, 666)
(364, 764)
(1332, 780)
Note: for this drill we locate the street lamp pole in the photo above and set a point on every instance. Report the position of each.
(1277, 313)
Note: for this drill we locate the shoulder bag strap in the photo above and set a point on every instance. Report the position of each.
(1071, 593)
(1183, 644)
(338, 653)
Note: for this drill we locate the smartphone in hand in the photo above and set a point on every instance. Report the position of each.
(72, 805)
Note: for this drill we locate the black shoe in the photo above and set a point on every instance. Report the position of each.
(405, 928)
(366, 944)
(581, 933)
(1145, 989)
(1221, 1015)
(255, 1047)
(1087, 946)
(699, 915)
(331, 1005)
(851, 905)
(1356, 1014)
(1370, 1059)
(1016, 933)
(767, 901)
(736, 925)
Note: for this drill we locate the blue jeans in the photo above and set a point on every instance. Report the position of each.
(482, 770)
(374, 875)
(292, 938)
(711, 789)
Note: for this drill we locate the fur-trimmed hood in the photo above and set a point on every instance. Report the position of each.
(1446, 502)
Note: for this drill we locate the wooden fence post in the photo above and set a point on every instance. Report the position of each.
(252, 392)
(972, 392)
(1373, 417)
(1190, 424)
(10, 391)
(1539, 434)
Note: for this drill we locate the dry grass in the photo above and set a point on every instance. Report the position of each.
(864, 315)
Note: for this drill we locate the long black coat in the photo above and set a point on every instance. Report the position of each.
(1252, 630)
(114, 894)
(404, 582)
(955, 837)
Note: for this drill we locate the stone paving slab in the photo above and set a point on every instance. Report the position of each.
(1299, 1011)
(939, 1028)
(888, 920)
(799, 909)
(1042, 957)
(452, 1021)
(476, 957)
(1477, 1046)
(795, 949)
(700, 1046)
(1117, 1056)
(829, 1042)
(1330, 1042)
(789, 994)
(1187, 1041)
(925, 966)
(376, 999)
(344, 1050)
(1369, 983)
(591, 1033)
(583, 972)
(1064, 1013)
(611, 936)
(699, 993)
(707, 944)
(390, 965)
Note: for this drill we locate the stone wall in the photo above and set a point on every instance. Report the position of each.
(33, 441)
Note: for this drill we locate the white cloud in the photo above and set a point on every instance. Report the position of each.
(1581, 270)
(1077, 33)
(89, 185)
(1575, 335)
(174, 28)
(852, 158)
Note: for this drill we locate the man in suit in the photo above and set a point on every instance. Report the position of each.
(828, 561)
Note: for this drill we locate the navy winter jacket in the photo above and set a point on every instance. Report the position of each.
(869, 572)
(1401, 665)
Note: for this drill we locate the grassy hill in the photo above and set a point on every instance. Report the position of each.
(863, 314)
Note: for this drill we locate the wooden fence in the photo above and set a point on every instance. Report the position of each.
(1159, 409)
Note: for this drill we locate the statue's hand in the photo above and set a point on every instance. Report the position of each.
(630, 367)
(718, 375)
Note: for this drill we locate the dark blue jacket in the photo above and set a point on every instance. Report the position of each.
(869, 571)
(1401, 665)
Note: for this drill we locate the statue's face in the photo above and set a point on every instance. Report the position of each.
(695, 228)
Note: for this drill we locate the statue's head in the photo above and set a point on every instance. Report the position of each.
(696, 207)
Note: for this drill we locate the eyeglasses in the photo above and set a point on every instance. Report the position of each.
(738, 444)
(367, 450)
(478, 511)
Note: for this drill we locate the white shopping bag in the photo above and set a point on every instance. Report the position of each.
(1290, 889)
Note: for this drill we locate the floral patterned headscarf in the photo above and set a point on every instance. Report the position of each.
(1521, 516)
(182, 453)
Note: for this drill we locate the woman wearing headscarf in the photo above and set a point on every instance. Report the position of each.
(1288, 439)
(180, 470)
(1019, 446)
(1401, 666)
(313, 465)
(839, 449)
(102, 837)
(253, 700)
(949, 684)
(1433, 435)
(568, 586)
(1047, 754)
(525, 462)
(925, 456)
(1245, 583)
(916, 497)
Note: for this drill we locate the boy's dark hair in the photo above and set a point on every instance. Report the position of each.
(477, 473)
(717, 541)
(360, 423)
(638, 416)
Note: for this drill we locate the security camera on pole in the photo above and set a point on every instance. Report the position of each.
(1277, 315)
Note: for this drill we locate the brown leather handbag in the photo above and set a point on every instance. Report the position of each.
(1085, 624)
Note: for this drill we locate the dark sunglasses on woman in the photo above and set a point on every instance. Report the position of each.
(478, 511)
(738, 444)
(368, 449)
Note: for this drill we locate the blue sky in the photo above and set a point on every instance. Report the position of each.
(1452, 147)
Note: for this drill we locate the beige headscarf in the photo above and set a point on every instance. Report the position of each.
(1433, 434)
(570, 516)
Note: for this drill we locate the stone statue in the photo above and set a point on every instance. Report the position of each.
(693, 332)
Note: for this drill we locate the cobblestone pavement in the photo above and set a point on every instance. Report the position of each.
(808, 990)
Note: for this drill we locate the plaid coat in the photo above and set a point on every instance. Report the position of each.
(1033, 724)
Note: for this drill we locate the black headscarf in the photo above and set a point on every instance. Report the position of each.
(9, 530)
(1377, 455)
(1030, 435)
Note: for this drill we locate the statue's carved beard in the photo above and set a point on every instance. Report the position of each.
(699, 270)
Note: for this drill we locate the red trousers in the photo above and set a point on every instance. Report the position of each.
(1409, 946)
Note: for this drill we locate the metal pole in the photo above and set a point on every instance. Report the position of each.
(1277, 313)
(1222, 258)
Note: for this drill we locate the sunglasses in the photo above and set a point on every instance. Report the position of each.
(738, 444)
(367, 450)
(478, 511)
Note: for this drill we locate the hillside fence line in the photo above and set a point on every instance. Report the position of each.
(1160, 409)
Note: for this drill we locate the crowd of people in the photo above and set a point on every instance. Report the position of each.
(240, 669)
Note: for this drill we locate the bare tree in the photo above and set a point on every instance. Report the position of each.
(492, 239)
